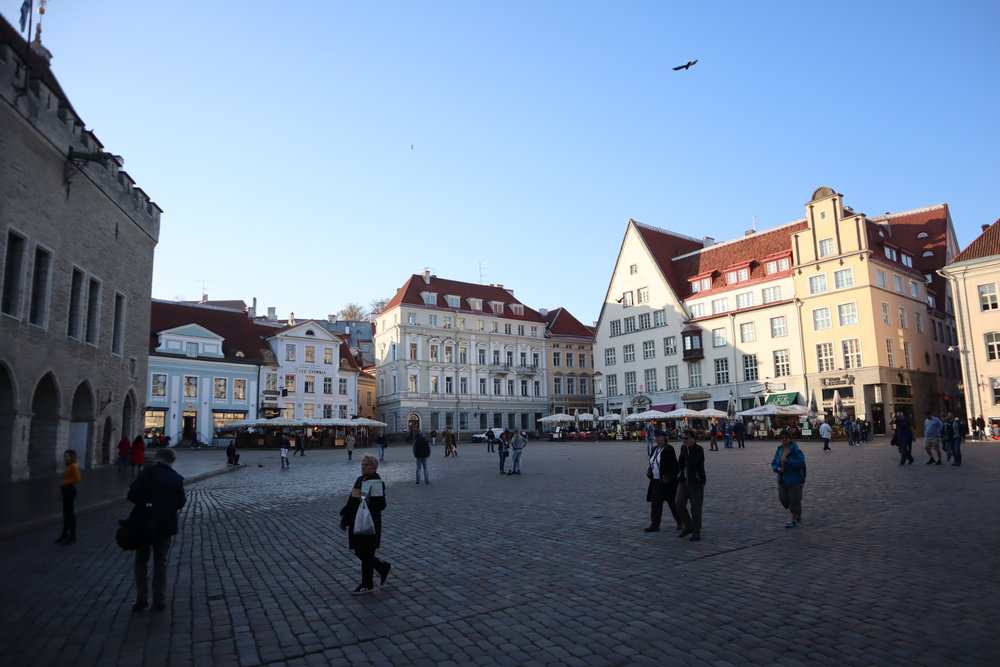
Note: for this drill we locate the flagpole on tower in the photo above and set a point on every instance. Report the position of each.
(27, 15)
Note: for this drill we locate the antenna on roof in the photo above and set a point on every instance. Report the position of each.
(481, 273)
(753, 223)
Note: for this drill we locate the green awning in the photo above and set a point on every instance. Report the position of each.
(783, 400)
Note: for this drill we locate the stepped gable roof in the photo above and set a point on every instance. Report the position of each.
(410, 293)
(236, 329)
(560, 322)
(665, 246)
(986, 245)
(717, 258)
(39, 68)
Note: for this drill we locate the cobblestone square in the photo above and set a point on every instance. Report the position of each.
(892, 565)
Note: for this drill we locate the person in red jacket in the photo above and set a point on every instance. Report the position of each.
(137, 455)
(124, 446)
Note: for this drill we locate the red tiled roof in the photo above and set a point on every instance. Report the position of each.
(904, 230)
(986, 245)
(664, 246)
(715, 259)
(561, 323)
(238, 332)
(409, 293)
(345, 353)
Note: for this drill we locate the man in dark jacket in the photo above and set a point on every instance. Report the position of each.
(691, 486)
(662, 474)
(421, 452)
(158, 494)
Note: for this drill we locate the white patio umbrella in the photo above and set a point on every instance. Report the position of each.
(613, 417)
(711, 412)
(557, 417)
(767, 410)
(797, 409)
(682, 413)
(813, 410)
(838, 407)
(646, 416)
(365, 421)
(731, 407)
(586, 417)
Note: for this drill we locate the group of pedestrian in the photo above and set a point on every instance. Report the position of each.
(858, 431)
(945, 432)
(131, 453)
(450, 443)
(678, 481)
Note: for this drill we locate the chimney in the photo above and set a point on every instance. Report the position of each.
(331, 318)
(749, 232)
(291, 318)
(985, 227)
(204, 297)
(709, 241)
(252, 310)
(426, 274)
(544, 312)
(272, 313)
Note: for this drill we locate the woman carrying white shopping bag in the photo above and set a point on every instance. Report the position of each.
(361, 517)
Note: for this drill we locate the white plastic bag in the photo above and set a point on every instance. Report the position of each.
(363, 522)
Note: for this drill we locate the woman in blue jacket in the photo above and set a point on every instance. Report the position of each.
(790, 464)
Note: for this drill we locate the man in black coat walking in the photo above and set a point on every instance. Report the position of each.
(158, 494)
(662, 474)
(691, 486)
(421, 452)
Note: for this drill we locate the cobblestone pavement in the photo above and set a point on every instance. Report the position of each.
(892, 565)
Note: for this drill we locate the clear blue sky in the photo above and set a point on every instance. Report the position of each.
(276, 136)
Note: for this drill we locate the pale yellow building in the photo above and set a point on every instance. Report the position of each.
(974, 275)
(569, 349)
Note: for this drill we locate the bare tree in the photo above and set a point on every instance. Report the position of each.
(378, 305)
(353, 312)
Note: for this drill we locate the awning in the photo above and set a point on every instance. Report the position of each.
(664, 408)
(784, 400)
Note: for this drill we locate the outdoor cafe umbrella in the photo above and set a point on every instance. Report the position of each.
(838, 407)
(682, 413)
(557, 417)
(585, 417)
(731, 407)
(646, 416)
(813, 410)
(712, 412)
(365, 421)
(613, 417)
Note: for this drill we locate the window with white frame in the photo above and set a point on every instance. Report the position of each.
(720, 306)
(880, 278)
(988, 297)
(902, 318)
(886, 315)
(629, 324)
(918, 319)
(907, 361)
(432, 321)
(694, 374)
(659, 318)
(748, 333)
(342, 386)
(448, 321)
(771, 294)
(616, 327)
(430, 298)
(630, 386)
(609, 356)
(843, 278)
(890, 253)
(612, 382)
(825, 361)
(821, 319)
(907, 259)
(670, 345)
(847, 313)
(289, 352)
(749, 367)
(642, 295)
(190, 386)
(239, 389)
(744, 300)
(992, 346)
(697, 310)
(557, 387)
(701, 285)
(628, 353)
(309, 384)
(852, 353)
(328, 385)
(627, 299)
(721, 371)
(739, 275)
(782, 365)
(648, 349)
(649, 378)
(897, 283)
(644, 321)
(826, 247)
(453, 301)
(914, 289)
(719, 337)
(633, 269)
(776, 266)
(159, 386)
(890, 352)
(817, 284)
(779, 327)
(570, 386)
(671, 374)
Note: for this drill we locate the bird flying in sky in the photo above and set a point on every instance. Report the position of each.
(686, 66)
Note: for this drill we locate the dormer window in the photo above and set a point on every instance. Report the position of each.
(476, 304)
(430, 298)
(922, 235)
(890, 253)
(239, 354)
(517, 309)
(310, 332)
(778, 265)
(453, 301)
(907, 260)
(496, 306)
(700, 285)
(737, 276)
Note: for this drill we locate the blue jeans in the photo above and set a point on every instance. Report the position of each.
(729, 441)
(122, 462)
(515, 460)
(422, 463)
(381, 452)
(503, 460)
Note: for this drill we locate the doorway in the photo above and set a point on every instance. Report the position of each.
(413, 423)
(189, 426)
